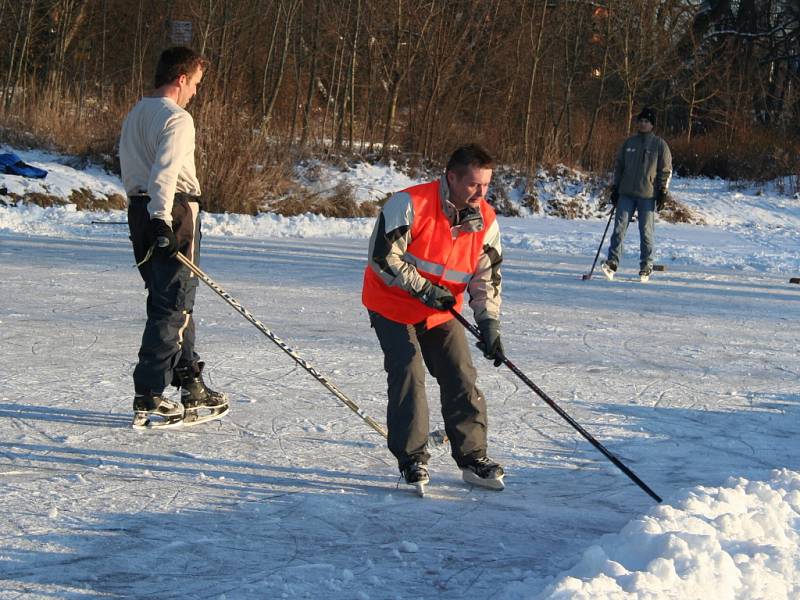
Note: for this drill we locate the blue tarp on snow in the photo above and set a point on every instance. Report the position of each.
(11, 164)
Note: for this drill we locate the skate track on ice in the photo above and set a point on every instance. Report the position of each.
(688, 379)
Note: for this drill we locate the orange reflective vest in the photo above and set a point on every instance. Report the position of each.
(437, 255)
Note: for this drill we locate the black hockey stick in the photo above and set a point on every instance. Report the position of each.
(434, 438)
(474, 330)
(600, 247)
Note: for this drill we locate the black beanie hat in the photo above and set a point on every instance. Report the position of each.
(647, 113)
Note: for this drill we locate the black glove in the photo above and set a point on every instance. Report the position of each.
(166, 246)
(614, 196)
(436, 296)
(661, 199)
(490, 345)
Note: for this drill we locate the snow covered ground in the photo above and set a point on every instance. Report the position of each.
(691, 380)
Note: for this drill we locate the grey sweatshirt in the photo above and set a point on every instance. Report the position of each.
(643, 166)
(156, 154)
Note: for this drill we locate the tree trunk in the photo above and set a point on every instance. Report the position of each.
(526, 129)
(291, 13)
(312, 78)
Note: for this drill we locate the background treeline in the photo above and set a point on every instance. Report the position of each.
(540, 82)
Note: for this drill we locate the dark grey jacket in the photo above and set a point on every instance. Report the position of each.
(643, 167)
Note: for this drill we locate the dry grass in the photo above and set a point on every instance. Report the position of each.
(675, 211)
(500, 201)
(341, 203)
(753, 154)
(239, 168)
(64, 124)
(83, 199)
(568, 208)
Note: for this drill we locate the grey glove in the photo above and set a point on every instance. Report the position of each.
(436, 296)
(490, 344)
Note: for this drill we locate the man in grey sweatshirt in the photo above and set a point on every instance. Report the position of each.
(156, 153)
(641, 180)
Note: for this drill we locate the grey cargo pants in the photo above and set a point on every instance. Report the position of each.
(169, 336)
(445, 353)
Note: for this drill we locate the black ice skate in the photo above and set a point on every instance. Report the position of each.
(201, 404)
(154, 411)
(416, 474)
(644, 274)
(484, 472)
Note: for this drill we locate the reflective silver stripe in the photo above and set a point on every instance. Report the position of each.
(425, 265)
(183, 328)
(194, 208)
(457, 276)
(437, 269)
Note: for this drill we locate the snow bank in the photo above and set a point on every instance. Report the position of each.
(748, 229)
(61, 179)
(65, 221)
(736, 541)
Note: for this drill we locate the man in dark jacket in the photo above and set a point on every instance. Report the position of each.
(641, 180)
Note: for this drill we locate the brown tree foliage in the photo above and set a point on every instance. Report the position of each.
(540, 82)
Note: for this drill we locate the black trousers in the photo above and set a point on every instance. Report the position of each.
(445, 353)
(169, 336)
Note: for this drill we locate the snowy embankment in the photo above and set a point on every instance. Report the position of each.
(737, 541)
(747, 229)
(692, 380)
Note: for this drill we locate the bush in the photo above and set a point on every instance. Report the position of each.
(341, 203)
(753, 154)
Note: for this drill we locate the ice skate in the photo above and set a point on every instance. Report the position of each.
(416, 474)
(154, 411)
(201, 404)
(644, 274)
(609, 270)
(484, 472)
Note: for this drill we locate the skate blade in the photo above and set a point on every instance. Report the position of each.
(419, 487)
(143, 421)
(644, 278)
(490, 484)
(192, 417)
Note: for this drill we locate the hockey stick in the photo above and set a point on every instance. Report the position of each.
(434, 438)
(600, 247)
(474, 330)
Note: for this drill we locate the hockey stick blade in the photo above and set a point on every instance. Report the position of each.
(437, 438)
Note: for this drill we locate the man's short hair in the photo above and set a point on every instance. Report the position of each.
(469, 155)
(177, 61)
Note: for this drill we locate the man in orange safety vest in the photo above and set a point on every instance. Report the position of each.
(431, 243)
